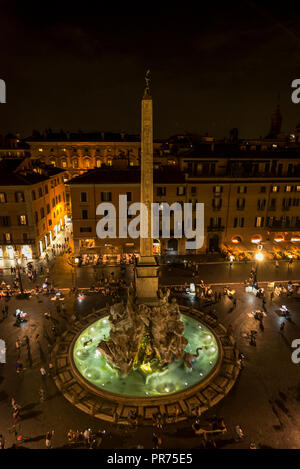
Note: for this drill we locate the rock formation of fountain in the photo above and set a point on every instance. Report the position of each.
(144, 336)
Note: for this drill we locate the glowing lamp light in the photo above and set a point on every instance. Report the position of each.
(76, 260)
(146, 367)
(295, 239)
(259, 256)
(279, 239)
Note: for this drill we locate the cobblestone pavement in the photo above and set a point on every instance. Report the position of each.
(265, 401)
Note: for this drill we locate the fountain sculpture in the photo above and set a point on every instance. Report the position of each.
(144, 336)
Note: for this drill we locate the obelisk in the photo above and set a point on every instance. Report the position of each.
(146, 270)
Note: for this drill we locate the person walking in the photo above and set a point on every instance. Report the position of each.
(42, 394)
(282, 326)
(18, 346)
(43, 372)
(86, 436)
(156, 441)
(48, 440)
(2, 442)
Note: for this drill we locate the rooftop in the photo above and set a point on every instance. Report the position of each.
(131, 175)
(12, 173)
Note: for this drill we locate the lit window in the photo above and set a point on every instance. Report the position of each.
(275, 188)
(19, 197)
(22, 220)
(259, 222)
(2, 197)
(288, 188)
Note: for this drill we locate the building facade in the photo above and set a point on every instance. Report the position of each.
(250, 196)
(77, 153)
(32, 209)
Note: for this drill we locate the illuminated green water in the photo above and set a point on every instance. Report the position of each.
(96, 369)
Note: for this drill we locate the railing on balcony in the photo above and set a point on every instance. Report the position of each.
(215, 228)
(284, 227)
(17, 241)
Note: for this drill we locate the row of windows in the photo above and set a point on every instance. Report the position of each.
(40, 192)
(282, 221)
(6, 220)
(105, 196)
(243, 189)
(87, 164)
(7, 237)
(19, 197)
(261, 203)
(41, 215)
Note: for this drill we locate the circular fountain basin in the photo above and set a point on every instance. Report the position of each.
(176, 377)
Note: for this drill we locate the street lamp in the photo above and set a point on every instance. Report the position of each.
(259, 257)
(19, 276)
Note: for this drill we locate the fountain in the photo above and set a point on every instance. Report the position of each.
(147, 352)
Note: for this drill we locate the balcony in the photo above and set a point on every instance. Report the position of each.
(284, 227)
(12, 242)
(215, 228)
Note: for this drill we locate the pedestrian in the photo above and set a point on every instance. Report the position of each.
(234, 302)
(48, 440)
(282, 326)
(18, 346)
(2, 442)
(271, 295)
(19, 366)
(43, 372)
(16, 413)
(86, 436)
(156, 441)
(42, 394)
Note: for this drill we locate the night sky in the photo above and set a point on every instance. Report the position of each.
(214, 68)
